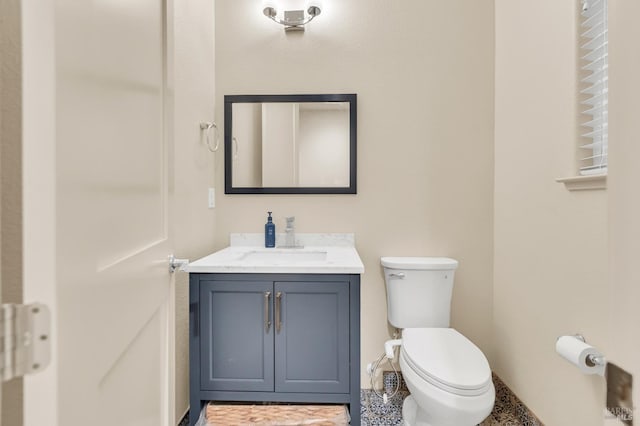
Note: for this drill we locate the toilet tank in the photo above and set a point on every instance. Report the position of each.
(419, 290)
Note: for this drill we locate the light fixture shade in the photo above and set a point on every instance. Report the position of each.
(269, 8)
(314, 11)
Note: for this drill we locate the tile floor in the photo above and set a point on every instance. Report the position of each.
(508, 409)
(375, 413)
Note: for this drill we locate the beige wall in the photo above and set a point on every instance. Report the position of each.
(551, 258)
(624, 202)
(194, 102)
(10, 184)
(423, 72)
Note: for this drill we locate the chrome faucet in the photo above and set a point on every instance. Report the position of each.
(290, 233)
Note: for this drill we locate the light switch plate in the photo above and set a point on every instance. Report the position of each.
(619, 399)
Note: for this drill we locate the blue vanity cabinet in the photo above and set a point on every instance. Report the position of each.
(236, 343)
(289, 338)
(312, 343)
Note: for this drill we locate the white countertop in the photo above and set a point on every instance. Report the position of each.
(333, 254)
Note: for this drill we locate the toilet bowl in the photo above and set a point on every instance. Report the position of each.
(448, 376)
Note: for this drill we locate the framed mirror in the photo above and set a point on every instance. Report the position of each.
(290, 144)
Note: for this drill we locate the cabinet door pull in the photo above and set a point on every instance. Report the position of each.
(278, 303)
(267, 323)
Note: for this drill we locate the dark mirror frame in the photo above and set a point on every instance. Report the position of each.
(229, 100)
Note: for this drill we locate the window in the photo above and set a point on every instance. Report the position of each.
(594, 88)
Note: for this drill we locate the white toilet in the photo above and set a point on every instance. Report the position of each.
(448, 376)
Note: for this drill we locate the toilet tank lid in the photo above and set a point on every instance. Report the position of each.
(419, 263)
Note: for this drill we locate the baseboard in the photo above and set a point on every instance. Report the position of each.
(185, 419)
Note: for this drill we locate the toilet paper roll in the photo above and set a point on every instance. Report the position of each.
(577, 353)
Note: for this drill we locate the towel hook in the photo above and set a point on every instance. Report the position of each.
(206, 126)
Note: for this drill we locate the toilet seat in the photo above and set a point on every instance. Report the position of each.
(446, 359)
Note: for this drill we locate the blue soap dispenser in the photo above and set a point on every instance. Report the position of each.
(269, 232)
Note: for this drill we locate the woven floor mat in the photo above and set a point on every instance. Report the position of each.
(277, 415)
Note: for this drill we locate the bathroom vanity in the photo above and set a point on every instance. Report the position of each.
(276, 325)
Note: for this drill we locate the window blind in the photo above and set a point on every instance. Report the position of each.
(595, 87)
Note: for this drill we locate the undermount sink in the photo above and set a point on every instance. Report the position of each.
(285, 256)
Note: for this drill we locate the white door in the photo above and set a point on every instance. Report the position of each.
(97, 208)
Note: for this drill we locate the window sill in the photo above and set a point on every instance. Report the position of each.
(584, 183)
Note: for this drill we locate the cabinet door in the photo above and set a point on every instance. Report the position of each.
(236, 347)
(312, 346)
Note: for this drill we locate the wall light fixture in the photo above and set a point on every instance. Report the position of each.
(294, 20)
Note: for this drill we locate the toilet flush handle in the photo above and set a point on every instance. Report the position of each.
(397, 275)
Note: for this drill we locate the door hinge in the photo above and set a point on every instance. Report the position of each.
(25, 346)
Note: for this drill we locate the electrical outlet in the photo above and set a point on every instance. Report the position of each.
(212, 198)
(619, 399)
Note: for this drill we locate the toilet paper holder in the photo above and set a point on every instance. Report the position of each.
(591, 360)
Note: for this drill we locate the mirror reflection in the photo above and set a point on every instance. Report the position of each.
(290, 147)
